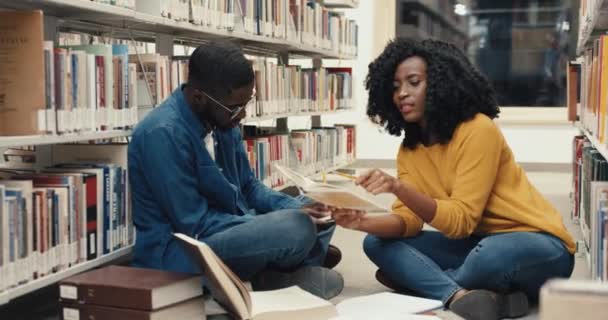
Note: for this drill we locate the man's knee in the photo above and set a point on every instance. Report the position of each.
(294, 227)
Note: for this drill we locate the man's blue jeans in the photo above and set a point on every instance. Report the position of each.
(436, 267)
(279, 240)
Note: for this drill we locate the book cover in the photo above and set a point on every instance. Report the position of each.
(127, 287)
(193, 309)
(22, 78)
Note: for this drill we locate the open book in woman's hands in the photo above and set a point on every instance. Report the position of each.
(331, 195)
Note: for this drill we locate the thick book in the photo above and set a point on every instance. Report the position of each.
(290, 303)
(127, 287)
(331, 195)
(193, 309)
(294, 303)
(22, 79)
(562, 299)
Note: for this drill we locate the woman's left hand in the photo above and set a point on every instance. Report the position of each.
(377, 181)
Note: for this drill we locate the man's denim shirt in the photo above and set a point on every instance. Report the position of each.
(177, 187)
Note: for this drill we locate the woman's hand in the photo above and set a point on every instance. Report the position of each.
(347, 218)
(377, 181)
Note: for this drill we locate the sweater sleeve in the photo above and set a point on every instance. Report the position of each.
(478, 156)
(413, 223)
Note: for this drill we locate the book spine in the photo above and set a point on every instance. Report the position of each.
(105, 296)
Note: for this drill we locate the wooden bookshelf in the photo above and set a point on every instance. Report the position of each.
(88, 16)
(10, 294)
(16, 141)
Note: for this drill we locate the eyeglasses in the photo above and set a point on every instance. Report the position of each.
(235, 110)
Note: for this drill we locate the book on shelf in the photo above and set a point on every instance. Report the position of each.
(593, 93)
(60, 217)
(573, 89)
(562, 299)
(308, 150)
(22, 93)
(129, 287)
(297, 21)
(331, 195)
(590, 204)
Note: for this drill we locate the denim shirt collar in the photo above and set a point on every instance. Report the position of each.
(186, 113)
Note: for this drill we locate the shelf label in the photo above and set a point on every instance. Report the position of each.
(71, 314)
(68, 292)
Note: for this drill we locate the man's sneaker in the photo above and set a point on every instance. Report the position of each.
(322, 282)
(382, 278)
(333, 257)
(488, 305)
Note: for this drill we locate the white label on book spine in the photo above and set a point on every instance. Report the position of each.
(61, 125)
(92, 242)
(42, 120)
(71, 314)
(68, 292)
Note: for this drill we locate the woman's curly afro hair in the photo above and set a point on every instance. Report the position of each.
(455, 92)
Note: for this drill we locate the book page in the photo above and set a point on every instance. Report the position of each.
(223, 288)
(331, 195)
(386, 305)
(288, 299)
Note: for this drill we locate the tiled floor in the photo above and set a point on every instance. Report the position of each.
(358, 271)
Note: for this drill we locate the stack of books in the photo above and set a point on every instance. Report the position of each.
(126, 293)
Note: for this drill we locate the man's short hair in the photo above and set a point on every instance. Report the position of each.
(218, 67)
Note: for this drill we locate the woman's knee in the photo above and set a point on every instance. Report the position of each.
(376, 247)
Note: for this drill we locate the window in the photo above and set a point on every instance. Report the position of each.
(522, 47)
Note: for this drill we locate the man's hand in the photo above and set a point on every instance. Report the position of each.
(377, 181)
(347, 218)
(317, 211)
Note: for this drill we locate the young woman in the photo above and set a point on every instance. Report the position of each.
(497, 240)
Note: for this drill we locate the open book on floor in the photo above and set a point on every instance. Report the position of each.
(330, 194)
(294, 303)
(229, 291)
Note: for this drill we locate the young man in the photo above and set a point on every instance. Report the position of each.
(189, 173)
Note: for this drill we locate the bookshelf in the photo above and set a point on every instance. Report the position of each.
(593, 19)
(602, 148)
(7, 296)
(106, 20)
(331, 169)
(341, 3)
(49, 139)
(89, 16)
(291, 115)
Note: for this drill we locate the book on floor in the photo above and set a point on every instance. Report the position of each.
(294, 303)
(331, 195)
(193, 309)
(229, 291)
(128, 287)
(565, 299)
